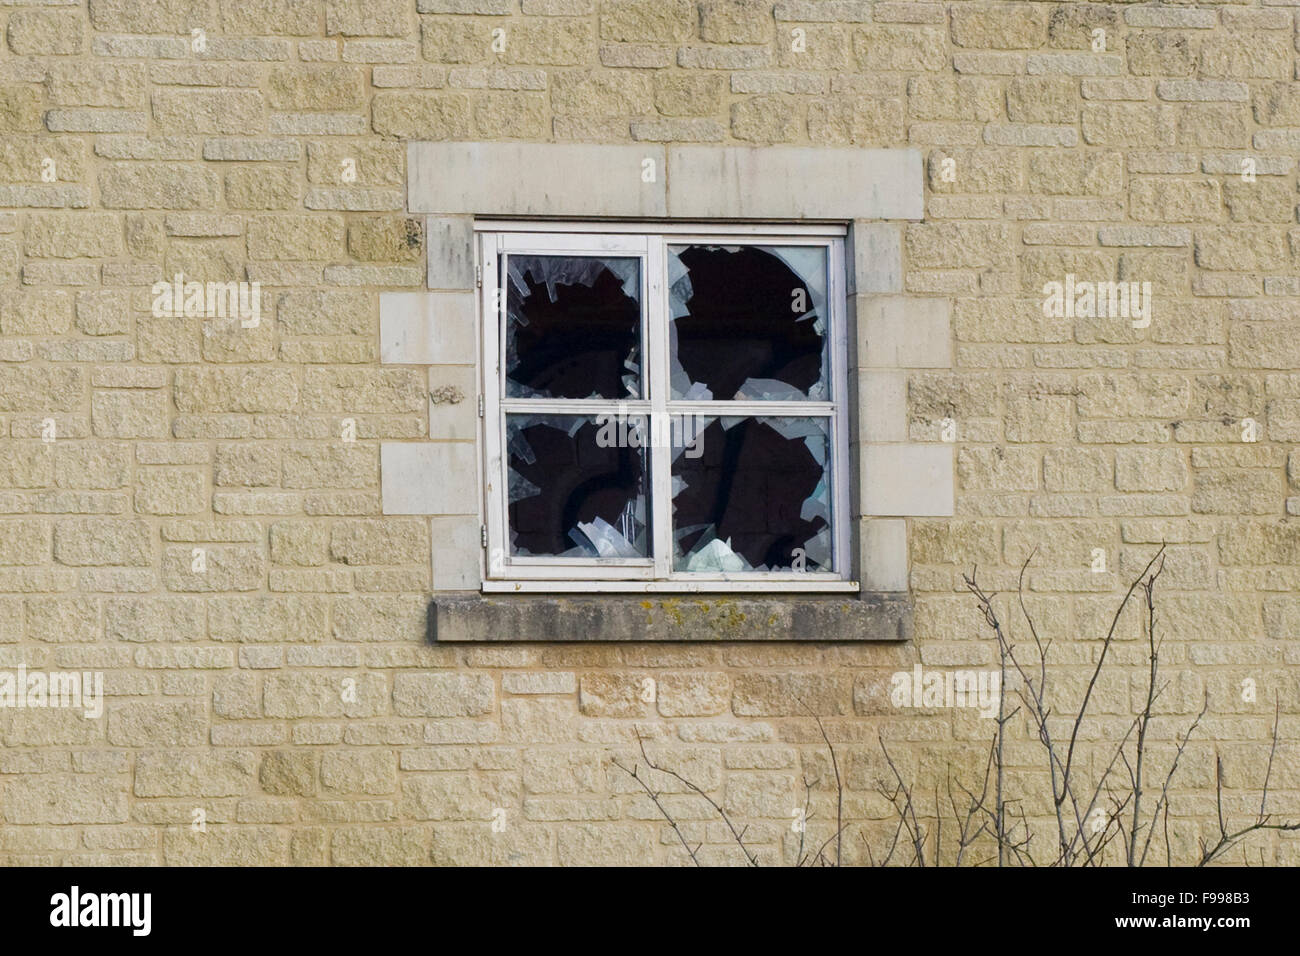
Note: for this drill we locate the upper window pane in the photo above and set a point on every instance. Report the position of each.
(748, 323)
(573, 327)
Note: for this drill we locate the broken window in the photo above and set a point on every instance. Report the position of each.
(665, 409)
(756, 498)
(748, 322)
(573, 327)
(572, 495)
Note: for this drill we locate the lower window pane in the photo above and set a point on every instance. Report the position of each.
(573, 493)
(753, 494)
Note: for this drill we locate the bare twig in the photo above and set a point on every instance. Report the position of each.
(1163, 801)
(1091, 817)
(1263, 821)
(654, 797)
(1153, 656)
(839, 785)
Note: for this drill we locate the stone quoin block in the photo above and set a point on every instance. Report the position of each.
(427, 328)
(429, 478)
(907, 480)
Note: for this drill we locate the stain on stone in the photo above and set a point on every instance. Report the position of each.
(446, 395)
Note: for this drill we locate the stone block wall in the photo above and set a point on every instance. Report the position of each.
(192, 506)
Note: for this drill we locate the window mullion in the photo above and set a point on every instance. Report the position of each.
(656, 378)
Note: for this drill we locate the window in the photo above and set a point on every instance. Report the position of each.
(664, 409)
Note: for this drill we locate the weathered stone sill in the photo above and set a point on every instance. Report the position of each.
(622, 618)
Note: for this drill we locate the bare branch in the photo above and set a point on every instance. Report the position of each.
(654, 796)
(738, 835)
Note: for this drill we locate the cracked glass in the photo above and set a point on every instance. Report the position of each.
(666, 407)
(572, 495)
(756, 497)
(748, 323)
(573, 327)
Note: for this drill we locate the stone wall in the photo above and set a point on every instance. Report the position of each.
(181, 511)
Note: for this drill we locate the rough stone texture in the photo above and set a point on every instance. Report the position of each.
(717, 618)
(292, 688)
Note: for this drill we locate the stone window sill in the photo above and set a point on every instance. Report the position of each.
(714, 618)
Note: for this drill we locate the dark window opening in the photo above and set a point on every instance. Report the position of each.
(570, 494)
(748, 322)
(756, 498)
(573, 327)
(664, 410)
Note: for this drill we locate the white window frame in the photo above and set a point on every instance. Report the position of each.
(648, 241)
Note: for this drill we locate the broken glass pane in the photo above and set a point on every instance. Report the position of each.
(573, 327)
(753, 494)
(748, 323)
(572, 492)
